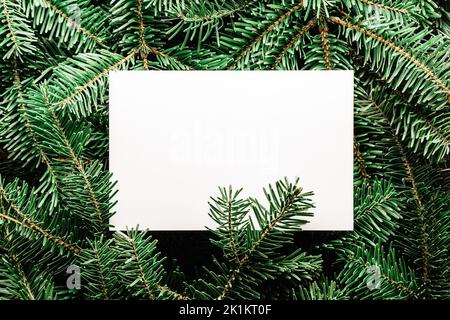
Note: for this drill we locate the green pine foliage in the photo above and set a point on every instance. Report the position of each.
(56, 192)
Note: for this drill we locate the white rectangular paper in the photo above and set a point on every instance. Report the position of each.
(176, 136)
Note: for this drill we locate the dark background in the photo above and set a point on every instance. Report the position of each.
(192, 249)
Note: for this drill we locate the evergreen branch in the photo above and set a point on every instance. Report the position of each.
(374, 205)
(261, 35)
(311, 23)
(360, 161)
(71, 22)
(159, 53)
(95, 79)
(421, 130)
(8, 23)
(216, 15)
(406, 163)
(384, 6)
(20, 281)
(76, 161)
(326, 47)
(135, 28)
(438, 132)
(23, 277)
(43, 155)
(98, 261)
(377, 212)
(34, 141)
(27, 122)
(423, 227)
(79, 166)
(101, 276)
(30, 225)
(230, 232)
(141, 273)
(326, 51)
(242, 262)
(17, 37)
(436, 135)
(420, 207)
(140, 263)
(285, 207)
(143, 47)
(401, 51)
(384, 276)
(324, 289)
(399, 286)
(418, 118)
(166, 289)
(229, 213)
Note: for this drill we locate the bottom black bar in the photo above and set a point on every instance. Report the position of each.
(222, 310)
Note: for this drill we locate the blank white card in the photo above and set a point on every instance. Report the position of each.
(176, 136)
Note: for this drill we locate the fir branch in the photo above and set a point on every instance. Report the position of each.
(378, 211)
(18, 87)
(143, 47)
(24, 280)
(171, 293)
(101, 276)
(229, 212)
(360, 161)
(320, 8)
(77, 162)
(262, 34)
(98, 261)
(384, 6)
(22, 106)
(135, 28)
(399, 285)
(8, 23)
(18, 38)
(276, 217)
(323, 289)
(110, 264)
(384, 275)
(420, 207)
(141, 273)
(79, 91)
(216, 15)
(310, 24)
(421, 130)
(160, 53)
(73, 23)
(257, 247)
(374, 206)
(26, 223)
(20, 281)
(230, 232)
(417, 118)
(326, 47)
(438, 132)
(139, 263)
(401, 51)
